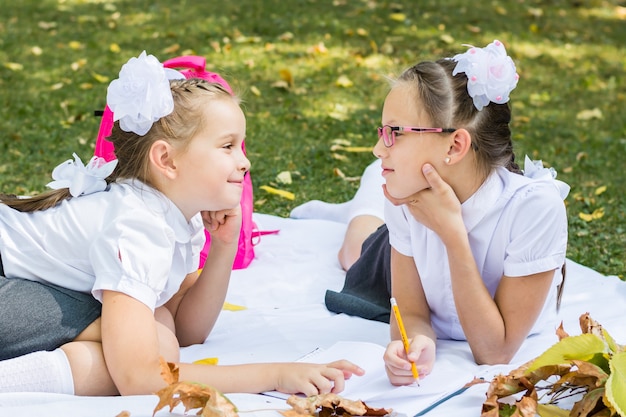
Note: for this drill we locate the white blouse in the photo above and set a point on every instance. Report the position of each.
(516, 227)
(129, 238)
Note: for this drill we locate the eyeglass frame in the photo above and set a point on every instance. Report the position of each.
(389, 141)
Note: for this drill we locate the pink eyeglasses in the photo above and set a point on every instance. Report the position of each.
(388, 133)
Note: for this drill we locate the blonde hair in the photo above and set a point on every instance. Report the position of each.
(131, 150)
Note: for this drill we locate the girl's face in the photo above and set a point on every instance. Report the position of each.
(402, 163)
(213, 166)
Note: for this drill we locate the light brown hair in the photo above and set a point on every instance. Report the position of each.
(178, 128)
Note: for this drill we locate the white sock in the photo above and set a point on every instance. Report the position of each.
(37, 372)
(316, 209)
(369, 198)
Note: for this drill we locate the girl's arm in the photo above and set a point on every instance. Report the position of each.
(131, 350)
(409, 294)
(494, 327)
(198, 303)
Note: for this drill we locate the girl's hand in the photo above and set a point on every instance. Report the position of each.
(313, 379)
(437, 207)
(398, 363)
(223, 225)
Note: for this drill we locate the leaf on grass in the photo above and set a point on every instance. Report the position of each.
(597, 214)
(600, 190)
(589, 114)
(358, 149)
(344, 81)
(284, 177)
(582, 347)
(282, 193)
(616, 384)
(14, 66)
(287, 77)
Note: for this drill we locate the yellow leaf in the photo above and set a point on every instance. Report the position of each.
(254, 90)
(447, 39)
(75, 45)
(616, 384)
(115, 48)
(35, 50)
(551, 410)
(597, 214)
(600, 190)
(233, 307)
(580, 347)
(398, 17)
(344, 81)
(282, 193)
(172, 49)
(359, 149)
(100, 78)
(284, 177)
(286, 76)
(207, 361)
(589, 114)
(13, 66)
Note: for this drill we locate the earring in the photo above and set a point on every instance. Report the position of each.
(447, 160)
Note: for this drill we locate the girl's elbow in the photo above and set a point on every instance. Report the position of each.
(494, 358)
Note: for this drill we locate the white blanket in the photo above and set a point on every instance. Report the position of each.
(285, 319)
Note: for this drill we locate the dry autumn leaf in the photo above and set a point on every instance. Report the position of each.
(192, 395)
(326, 405)
(589, 367)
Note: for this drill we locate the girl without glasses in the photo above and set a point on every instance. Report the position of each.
(471, 250)
(100, 275)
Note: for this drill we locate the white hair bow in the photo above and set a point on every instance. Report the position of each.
(536, 170)
(81, 179)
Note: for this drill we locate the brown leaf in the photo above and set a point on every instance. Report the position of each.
(589, 325)
(169, 371)
(331, 405)
(491, 407)
(294, 413)
(561, 333)
(192, 395)
(526, 407)
(590, 404)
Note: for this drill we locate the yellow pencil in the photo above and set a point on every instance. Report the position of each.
(405, 339)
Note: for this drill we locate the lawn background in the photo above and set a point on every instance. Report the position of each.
(312, 74)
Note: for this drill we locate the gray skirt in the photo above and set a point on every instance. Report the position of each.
(36, 316)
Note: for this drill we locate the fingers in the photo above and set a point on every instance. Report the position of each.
(432, 177)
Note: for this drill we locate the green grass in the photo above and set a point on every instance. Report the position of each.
(57, 57)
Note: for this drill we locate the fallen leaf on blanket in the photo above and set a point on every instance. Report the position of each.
(590, 367)
(123, 414)
(207, 361)
(233, 307)
(192, 395)
(327, 405)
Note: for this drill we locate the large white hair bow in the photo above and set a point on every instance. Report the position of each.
(536, 170)
(491, 73)
(81, 179)
(141, 95)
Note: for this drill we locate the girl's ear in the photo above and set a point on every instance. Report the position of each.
(460, 144)
(161, 158)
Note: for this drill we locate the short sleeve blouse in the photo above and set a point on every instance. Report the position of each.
(129, 238)
(516, 227)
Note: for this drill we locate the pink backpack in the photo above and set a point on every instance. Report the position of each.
(194, 66)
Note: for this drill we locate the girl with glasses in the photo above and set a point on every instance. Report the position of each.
(470, 247)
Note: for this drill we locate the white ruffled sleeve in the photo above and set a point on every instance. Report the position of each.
(538, 231)
(133, 255)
